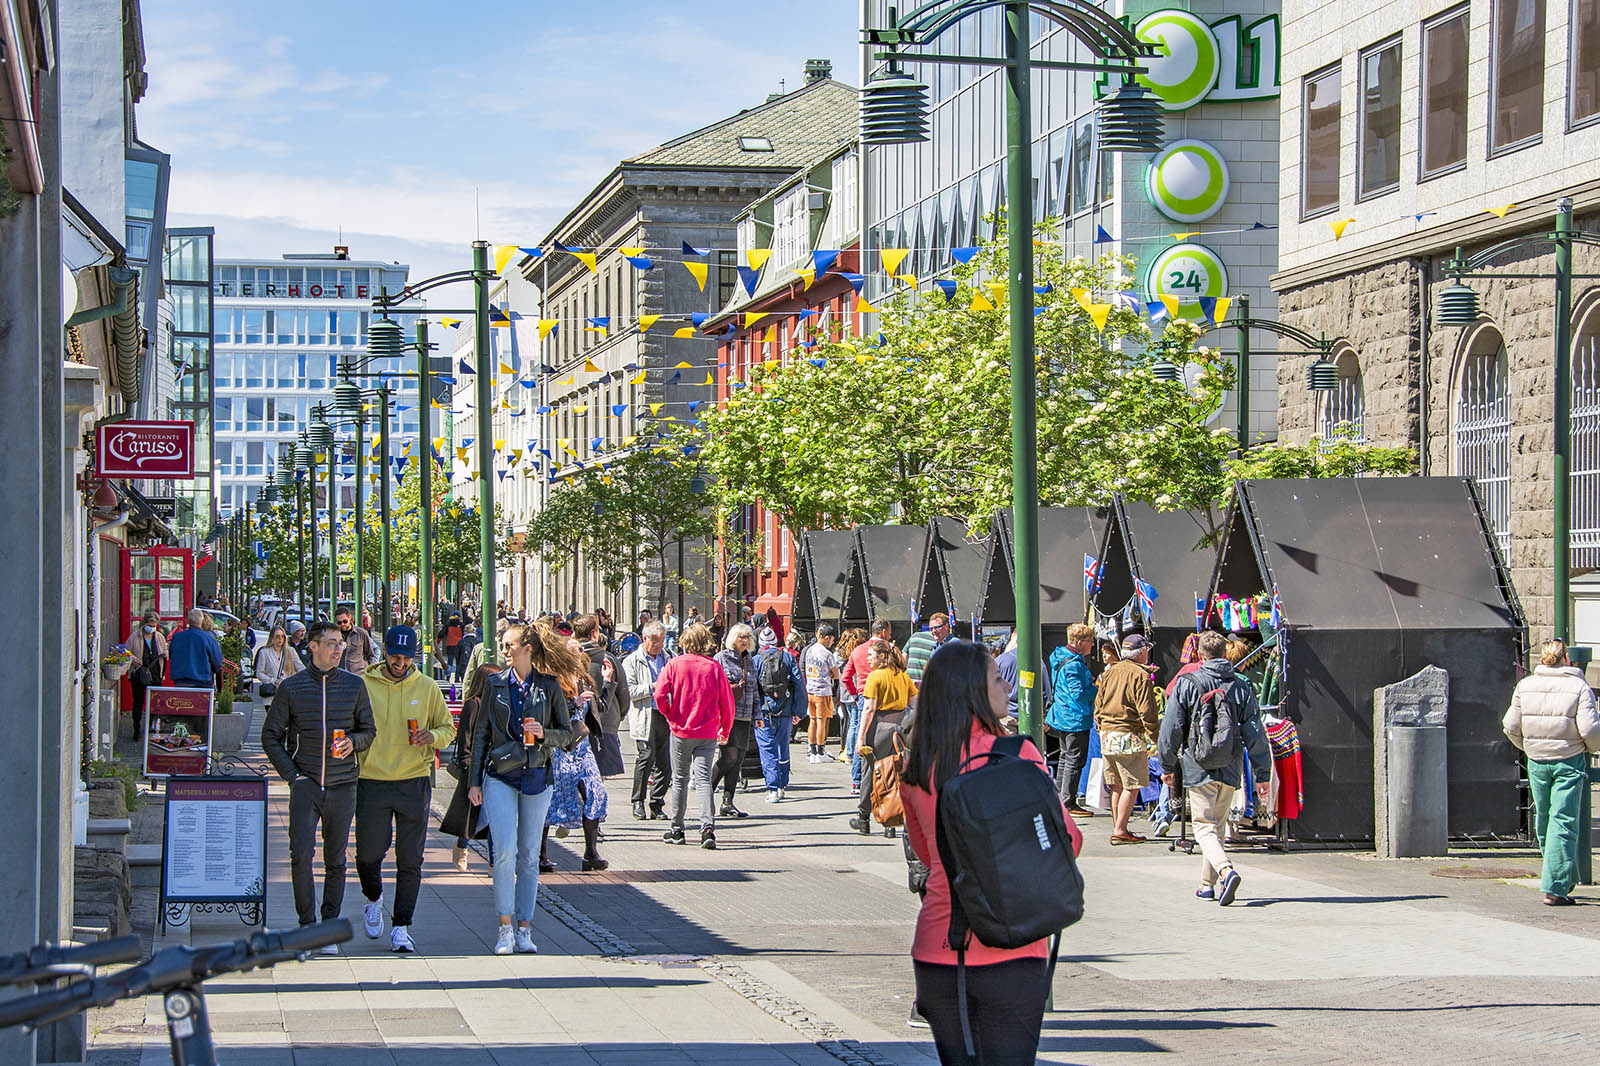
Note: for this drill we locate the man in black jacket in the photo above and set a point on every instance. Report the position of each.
(319, 719)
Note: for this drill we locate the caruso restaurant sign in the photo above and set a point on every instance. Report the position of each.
(161, 450)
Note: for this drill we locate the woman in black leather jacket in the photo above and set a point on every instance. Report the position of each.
(510, 773)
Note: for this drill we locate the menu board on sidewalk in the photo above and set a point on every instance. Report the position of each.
(177, 731)
(215, 849)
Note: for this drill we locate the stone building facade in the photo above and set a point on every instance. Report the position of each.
(1477, 157)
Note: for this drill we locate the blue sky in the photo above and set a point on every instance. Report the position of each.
(289, 120)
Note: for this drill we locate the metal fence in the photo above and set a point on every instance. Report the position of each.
(1482, 434)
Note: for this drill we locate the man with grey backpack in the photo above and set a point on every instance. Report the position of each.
(1211, 717)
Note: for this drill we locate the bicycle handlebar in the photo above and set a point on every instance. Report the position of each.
(174, 967)
(47, 962)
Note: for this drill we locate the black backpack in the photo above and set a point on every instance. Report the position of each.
(1214, 727)
(1003, 840)
(775, 679)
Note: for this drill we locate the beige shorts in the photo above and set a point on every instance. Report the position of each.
(1128, 771)
(819, 707)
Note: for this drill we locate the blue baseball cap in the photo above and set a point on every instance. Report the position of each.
(400, 640)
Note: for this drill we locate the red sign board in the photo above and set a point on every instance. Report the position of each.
(163, 450)
(177, 730)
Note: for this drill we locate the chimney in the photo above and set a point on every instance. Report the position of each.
(818, 69)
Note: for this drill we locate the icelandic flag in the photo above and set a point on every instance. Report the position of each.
(1147, 596)
(1091, 572)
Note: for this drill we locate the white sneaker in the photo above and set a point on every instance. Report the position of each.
(400, 940)
(506, 942)
(772, 795)
(372, 920)
(328, 949)
(525, 942)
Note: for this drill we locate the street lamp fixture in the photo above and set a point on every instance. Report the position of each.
(894, 110)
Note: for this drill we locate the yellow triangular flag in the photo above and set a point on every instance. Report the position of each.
(638, 380)
(589, 367)
(757, 257)
(1222, 309)
(631, 252)
(1500, 212)
(1172, 304)
(683, 331)
(545, 326)
(980, 302)
(646, 321)
(699, 270)
(587, 259)
(997, 291)
(1082, 296)
(862, 307)
(891, 258)
(808, 276)
(502, 256)
(772, 335)
(1099, 313)
(655, 408)
(752, 317)
(1338, 227)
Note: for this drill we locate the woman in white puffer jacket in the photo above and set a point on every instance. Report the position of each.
(1554, 721)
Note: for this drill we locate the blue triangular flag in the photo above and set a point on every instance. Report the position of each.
(822, 259)
(963, 255)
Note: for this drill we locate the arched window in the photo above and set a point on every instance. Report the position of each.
(1584, 455)
(1482, 428)
(1344, 410)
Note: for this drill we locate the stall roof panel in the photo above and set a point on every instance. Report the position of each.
(1378, 553)
(1165, 549)
(892, 559)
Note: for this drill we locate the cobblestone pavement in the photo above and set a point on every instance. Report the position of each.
(789, 944)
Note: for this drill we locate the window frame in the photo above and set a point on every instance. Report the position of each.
(1572, 122)
(1463, 11)
(1494, 71)
(1336, 69)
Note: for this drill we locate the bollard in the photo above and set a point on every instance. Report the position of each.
(1410, 766)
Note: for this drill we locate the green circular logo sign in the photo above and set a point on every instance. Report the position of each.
(1188, 181)
(1190, 59)
(1187, 272)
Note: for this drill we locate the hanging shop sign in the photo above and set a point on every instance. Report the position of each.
(1187, 181)
(1185, 274)
(1217, 61)
(160, 450)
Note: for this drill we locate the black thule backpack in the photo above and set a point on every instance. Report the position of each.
(1003, 840)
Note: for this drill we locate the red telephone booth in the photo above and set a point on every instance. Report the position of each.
(161, 577)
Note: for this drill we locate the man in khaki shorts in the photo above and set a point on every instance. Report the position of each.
(1127, 713)
(821, 668)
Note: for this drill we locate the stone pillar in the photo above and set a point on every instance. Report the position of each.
(1409, 766)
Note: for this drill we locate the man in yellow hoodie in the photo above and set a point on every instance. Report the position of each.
(396, 783)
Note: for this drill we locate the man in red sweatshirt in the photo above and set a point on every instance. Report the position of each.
(694, 696)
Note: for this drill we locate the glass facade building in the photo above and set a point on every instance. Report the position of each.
(282, 328)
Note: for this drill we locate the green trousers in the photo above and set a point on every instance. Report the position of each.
(1560, 788)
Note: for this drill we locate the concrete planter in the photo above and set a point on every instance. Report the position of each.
(227, 731)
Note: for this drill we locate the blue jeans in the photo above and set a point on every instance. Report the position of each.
(852, 711)
(519, 818)
(772, 741)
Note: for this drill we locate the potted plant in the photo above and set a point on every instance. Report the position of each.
(116, 662)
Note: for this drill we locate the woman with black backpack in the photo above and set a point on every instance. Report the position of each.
(962, 701)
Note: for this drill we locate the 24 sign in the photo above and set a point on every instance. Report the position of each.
(158, 450)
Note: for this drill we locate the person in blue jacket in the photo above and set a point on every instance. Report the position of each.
(784, 697)
(1071, 712)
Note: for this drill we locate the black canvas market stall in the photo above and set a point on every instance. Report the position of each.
(887, 577)
(953, 575)
(1066, 535)
(1168, 551)
(1377, 578)
(821, 578)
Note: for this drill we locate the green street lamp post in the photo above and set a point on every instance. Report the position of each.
(481, 276)
(894, 110)
(1458, 307)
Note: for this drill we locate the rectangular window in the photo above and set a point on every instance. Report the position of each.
(1516, 74)
(1319, 143)
(1444, 94)
(1583, 96)
(1379, 135)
